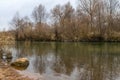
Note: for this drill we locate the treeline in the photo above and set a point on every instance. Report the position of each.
(91, 20)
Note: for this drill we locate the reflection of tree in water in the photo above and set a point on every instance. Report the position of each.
(84, 60)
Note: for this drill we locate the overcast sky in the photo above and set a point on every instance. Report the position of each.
(8, 8)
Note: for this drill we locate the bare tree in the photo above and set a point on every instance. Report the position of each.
(57, 15)
(88, 7)
(93, 20)
(63, 18)
(16, 24)
(112, 7)
(39, 14)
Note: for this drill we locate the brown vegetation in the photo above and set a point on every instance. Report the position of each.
(6, 38)
(92, 20)
(8, 73)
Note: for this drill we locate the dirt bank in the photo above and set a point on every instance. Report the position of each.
(8, 73)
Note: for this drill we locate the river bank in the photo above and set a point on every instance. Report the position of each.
(9, 73)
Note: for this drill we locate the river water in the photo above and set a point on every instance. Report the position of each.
(71, 61)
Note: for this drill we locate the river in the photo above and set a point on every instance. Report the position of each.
(71, 61)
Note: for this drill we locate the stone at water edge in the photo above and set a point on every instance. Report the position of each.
(5, 54)
(21, 62)
(8, 55)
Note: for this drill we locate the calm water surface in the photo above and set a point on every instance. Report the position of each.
(71, 61)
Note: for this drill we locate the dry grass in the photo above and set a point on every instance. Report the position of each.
(8, 73)
(6, 38)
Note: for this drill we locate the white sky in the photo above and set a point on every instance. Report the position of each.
(8, 8)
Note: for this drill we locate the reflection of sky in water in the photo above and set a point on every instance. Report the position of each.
(72, 61)
(49, 61)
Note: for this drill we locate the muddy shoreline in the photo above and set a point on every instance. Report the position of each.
(9, 73)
